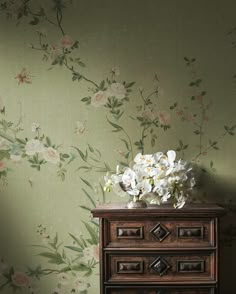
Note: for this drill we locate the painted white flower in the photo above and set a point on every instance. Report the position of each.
(15, 158)
(81, 284)
(51, 155)
(3, 267)
(4, 144)
(99, 98)
(80, 127)
(33, 146)
(91, 252)
(35, 127)
(63, 278)
(42, 31)
(117, 90)
(57, 290)
(115, 71)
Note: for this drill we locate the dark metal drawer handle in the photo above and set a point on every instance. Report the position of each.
(131, 232)
(160, 266)
(193, 232)
(191, 266)
(129, 267)
(160, 232)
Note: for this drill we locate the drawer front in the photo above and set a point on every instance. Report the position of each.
(159, 233)
(159, 290)
(161, 268)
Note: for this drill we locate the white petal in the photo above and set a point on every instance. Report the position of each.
(171, 156)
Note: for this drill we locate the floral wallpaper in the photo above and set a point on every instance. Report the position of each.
(86, 85)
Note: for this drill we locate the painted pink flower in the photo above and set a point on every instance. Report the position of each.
(56, 51)
(189, 116)
(51, 155)
(180, 112)
(80, 127)
(20, 279)
(2, 166)
(149, 114)
(99, 99)
(164, 117)
(199, 98)
(13, 7)
(66, 42)
(23, 77)
(121, 153)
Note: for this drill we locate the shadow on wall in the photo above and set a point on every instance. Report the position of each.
(221, 190)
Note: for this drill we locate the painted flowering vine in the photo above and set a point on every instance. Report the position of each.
(71, 264)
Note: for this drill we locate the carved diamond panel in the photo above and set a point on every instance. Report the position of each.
(160, 232)
(160, 266)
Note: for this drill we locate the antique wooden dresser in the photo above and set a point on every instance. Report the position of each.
(159, 249)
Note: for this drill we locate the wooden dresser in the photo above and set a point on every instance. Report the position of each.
(159, 249)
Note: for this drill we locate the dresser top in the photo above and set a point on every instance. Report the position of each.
(119, 209)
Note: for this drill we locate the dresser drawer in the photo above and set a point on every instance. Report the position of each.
(162, 268)
(159, 290)
(161, 233)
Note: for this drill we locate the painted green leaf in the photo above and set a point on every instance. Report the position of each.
(78, 241)
(89, 197)
(82, 155)
(92, 232)
(54, 258)
(87, 183)
(74, 248)
(34, 21)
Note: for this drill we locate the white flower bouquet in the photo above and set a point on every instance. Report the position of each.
(157, 178)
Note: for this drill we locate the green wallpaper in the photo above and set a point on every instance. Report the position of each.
(87, 84)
